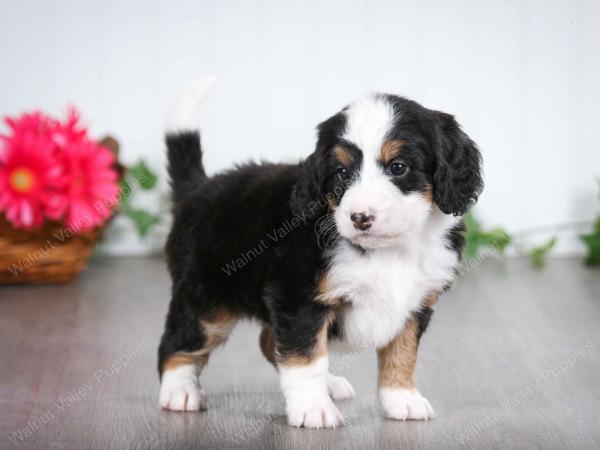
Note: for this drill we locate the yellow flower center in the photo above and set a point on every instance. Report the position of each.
(21, 180)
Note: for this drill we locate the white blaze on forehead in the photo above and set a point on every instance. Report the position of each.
(368, 121)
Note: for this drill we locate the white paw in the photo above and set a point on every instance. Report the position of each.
(402, 404)
(339, 388)
(316, 412)
(180, 390)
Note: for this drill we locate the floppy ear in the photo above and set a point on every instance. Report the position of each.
(457, 180)
(308, 195)
(306, 201)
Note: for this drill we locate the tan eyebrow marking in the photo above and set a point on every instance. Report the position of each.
(390, 150)
(343, 156)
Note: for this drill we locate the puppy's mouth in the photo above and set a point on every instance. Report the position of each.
(369, 239)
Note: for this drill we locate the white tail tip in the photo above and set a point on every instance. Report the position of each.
(183, 115)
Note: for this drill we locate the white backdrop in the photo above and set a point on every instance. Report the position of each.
(521, 76)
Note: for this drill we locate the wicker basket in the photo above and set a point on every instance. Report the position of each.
(52, 254)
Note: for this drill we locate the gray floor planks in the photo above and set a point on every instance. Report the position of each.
(511, 360)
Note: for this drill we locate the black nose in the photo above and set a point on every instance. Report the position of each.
(362, 221)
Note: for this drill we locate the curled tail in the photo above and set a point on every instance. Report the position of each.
(182, 137)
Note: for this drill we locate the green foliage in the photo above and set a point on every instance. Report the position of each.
(136, 176)
(592, 242)
(145, 177)
(142, 219)
(537, 255)
(496, 238)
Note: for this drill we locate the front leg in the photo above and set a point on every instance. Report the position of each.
(301, 355)
(398, 395)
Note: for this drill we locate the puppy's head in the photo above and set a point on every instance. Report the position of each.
(383, 164)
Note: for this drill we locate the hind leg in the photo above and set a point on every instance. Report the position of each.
(185, 347)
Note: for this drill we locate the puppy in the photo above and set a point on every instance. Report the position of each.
(354, 245)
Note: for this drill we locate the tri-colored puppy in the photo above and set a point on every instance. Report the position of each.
(353, 244)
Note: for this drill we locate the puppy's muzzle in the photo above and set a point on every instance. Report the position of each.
(362, 221)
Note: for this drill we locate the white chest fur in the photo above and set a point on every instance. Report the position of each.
(385, 285)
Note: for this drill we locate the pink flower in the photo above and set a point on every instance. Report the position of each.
(52, 170)
(30, 177)
(69, 131)
(91, 182)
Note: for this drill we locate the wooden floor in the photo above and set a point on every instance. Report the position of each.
(511, 360)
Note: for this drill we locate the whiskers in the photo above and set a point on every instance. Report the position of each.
(326, 231)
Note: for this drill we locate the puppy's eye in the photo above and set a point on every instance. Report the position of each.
(343, 173)
(398, 169)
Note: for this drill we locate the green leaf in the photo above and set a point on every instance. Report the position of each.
(143, 175)
(472, 236)
(472, 246)
(592, 241)
(497, 238)
(537, 255)
(126, 192)
(142, 219)
(137, 176)
(473, 225)
(597, 225)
